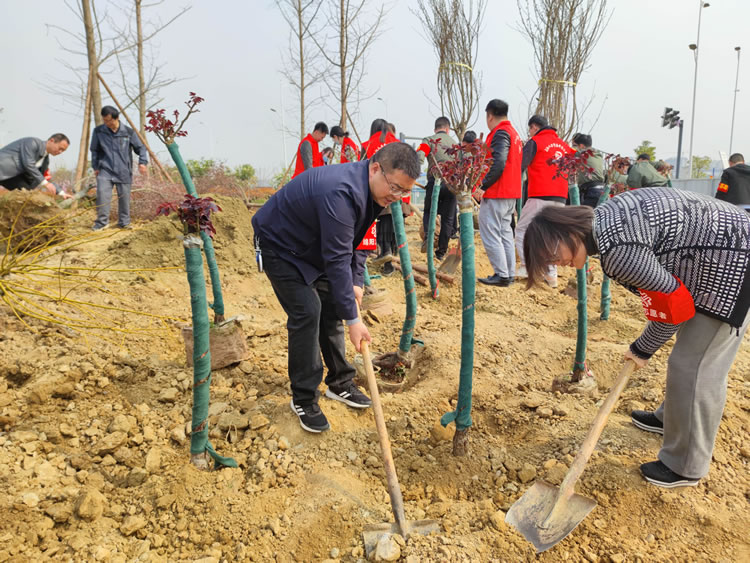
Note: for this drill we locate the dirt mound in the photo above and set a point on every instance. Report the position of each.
(22, 210)
(95, 463)
(156, 244)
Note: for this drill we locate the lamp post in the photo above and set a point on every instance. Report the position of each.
(694, 48)
(283, 131)
(385, 105)
(734, 104)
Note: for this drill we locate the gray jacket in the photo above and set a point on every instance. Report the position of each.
(21, 157)
(111, 153)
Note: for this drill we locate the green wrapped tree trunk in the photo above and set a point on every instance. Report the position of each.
(462, 415)
(368, 282)
(199, 444)
(430, 234)
(407, 334)
(579, 365)
(208, 245)
(606, 298)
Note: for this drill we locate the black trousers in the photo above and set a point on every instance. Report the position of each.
(312, 326)
(590, 196)
(447, 211)
(20, 182)
(386, 236)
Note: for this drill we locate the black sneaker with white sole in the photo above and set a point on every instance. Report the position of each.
(656, 473)
(349, 394)
(646, 420)
(311, 418)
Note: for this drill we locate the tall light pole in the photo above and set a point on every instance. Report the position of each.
(694, 48)
(734, 104)
(385, 105)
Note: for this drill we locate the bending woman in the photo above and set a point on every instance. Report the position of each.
(687, 256)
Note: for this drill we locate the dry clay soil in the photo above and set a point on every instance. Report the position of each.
(94, 454)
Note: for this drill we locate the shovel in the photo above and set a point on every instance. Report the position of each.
(373, 532)
(451, 261)
(545, 514)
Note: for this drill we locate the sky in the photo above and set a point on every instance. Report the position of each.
(231, 53)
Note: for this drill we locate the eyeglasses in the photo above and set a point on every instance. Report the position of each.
(555, 257)
(395, 189)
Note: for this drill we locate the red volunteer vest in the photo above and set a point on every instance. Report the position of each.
(508, 186)
(317, 158)
(540, 173)
(374, 143)
(349, 143)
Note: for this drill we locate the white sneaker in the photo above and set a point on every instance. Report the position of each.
(521, 272)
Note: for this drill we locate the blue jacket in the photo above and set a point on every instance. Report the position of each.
(111, 153)
(317, 221)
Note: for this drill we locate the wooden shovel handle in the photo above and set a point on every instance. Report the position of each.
(394, 489)
(587, 448)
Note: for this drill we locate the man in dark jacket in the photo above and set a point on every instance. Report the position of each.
(306, 236)
(446, 200)
(734, 186)
(112, 161)
(24, 162)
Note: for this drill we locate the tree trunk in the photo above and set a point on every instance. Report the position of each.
(300, 36)
(342, 67)
(141, 79)
(83, 147)
(96, 95)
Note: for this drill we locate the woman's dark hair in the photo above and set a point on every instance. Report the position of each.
(338, 131)
(469, 137)
(552, 226)
(379, 125)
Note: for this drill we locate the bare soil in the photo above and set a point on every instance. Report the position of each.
(94, 454)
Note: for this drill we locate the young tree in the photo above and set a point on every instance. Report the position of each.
(646, 147)
(352, 31)
(700, 166)
(300, 16)
(563, 34)
(140, 74)
(453, 27)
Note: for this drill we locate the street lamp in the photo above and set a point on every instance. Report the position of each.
(734, 104)
(283, 131)
(385, 105)
(694, 48)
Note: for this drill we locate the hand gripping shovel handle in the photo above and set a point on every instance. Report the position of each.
(394, 489)
(567, 488)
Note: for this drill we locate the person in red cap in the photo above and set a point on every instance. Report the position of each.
(308, 152)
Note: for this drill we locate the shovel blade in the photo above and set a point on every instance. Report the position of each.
(450, 263)
(529, 513)
(373, 532)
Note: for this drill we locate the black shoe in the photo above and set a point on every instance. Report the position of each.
(382, 259)
(349, 394)
(496, 280)
(311, 418)
(646, 420)
(439, 257)
(656, 473)
(388, 268)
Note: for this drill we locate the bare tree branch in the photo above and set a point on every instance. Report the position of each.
(453, 27)
(563, 34)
